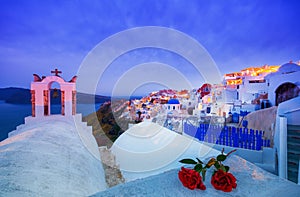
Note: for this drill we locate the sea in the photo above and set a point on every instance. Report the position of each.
(12, 115)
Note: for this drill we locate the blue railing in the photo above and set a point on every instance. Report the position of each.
(228, 136)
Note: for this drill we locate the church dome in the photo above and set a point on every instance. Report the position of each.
(173, 101)
(285, 69)
(288, 68)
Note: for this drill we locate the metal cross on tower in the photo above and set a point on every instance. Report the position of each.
(56, 71)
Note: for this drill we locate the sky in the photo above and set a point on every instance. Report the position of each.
(38, 36)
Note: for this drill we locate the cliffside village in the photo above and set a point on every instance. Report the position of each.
(239, 94)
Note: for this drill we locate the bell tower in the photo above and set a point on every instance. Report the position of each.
(40, 94)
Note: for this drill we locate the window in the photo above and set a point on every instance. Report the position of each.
(257, 81)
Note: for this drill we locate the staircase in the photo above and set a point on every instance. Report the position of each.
(17, 131)
(293, 152)
(113, 175)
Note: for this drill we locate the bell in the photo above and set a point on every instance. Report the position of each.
(55, 93)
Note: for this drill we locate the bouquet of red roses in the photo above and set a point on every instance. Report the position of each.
(221, 179)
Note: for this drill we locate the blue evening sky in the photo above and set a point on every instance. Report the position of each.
(37, 36)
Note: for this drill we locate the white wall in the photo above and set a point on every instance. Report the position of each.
(288, 112)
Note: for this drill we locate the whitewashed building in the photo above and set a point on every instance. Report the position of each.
(251, 88)
(173, 104)
(283, 84)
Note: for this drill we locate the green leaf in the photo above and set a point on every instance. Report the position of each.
(221, 157)
(198, 167)
(188, 161)
(217, 165)
(226, 168)
(203, 174)
(199, 161)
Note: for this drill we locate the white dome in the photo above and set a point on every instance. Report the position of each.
(150, 148)
(285, 69)
(288, 68)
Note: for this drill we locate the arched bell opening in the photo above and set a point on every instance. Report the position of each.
(54, 99)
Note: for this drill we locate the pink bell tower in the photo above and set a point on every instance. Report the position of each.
(40, 94)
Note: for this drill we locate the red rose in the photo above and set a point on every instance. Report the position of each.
(191, 179)
(223, 181)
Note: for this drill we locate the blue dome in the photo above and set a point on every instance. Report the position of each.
(173, 101)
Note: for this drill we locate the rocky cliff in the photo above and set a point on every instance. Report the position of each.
(109, 122)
